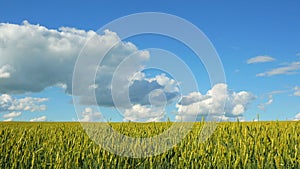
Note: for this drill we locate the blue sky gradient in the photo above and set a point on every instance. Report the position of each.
(239, 30)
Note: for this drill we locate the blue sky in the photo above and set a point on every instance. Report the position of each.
(266, 31)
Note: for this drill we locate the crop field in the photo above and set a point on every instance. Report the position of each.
(232, 145)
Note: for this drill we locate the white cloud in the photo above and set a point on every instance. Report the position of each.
(291, 68)
(5, 101)
(8, 103)
(263, 106)
(260, 59)
(297, 117)
(28, 104)
(93, 86)
(277, 92)
(169, 85)
(218, 102)
(296, 91)
(5, 71)
(42, 118)
(137, 88)
(138, 76)
(238, 110)
(88, 115)
(154, 93)
(144, 113)
(12, 115)
(42, 57)
(9, 119)
(62, 86)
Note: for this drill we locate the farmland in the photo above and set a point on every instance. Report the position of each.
(232, 145)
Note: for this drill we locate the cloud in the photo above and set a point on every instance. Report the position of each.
(40, 57)
(263, 106)
(297, 117)
(144, 113)
(277, 92)
(260, 59)
(88, 115)
(157, 89)
(5, 71)
(33, 57)
(291, 68)
(296, 91)
(9, 119)
(9, 103)
(43, 57)
(12, 115)
(218, 103)
(42, 118)
(28, 104)
(169, 85)
(148, 97)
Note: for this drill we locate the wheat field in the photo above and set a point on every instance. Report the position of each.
(232, 145)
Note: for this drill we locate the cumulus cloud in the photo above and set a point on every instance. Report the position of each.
(168, 84)
(144, 113)
(43, 57)
(297, 117)
(296, 91)
(157, 89)
(12, 115)
(9, 103)
(88, 115)
(291, 68)
(149, 96)
(33, 57)
(40, 57)
(260, 59)
(123, 83)
(42, 118)
(5, 71)
(218, 103)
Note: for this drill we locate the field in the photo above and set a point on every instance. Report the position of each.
(232, 145)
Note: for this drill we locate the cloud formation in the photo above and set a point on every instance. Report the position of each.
(297, 117)
(12, 115)
(149, 96)
(42, 118)
(297, 91)
(156, 90)
(144, 113)
(260, 59)
(5, 71)
(263, 106)
(8, 103)
(9, 119)
(218, 103)
(33, 57)
(88, 115)
(40, 57)
(18, 105)
(291, 68)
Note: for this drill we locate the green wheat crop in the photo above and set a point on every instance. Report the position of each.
(232, 145)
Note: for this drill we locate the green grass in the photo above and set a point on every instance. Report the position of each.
(232, 145)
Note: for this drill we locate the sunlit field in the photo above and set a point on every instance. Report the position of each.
(232, 145)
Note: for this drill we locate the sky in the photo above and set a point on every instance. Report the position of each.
(257, 43)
